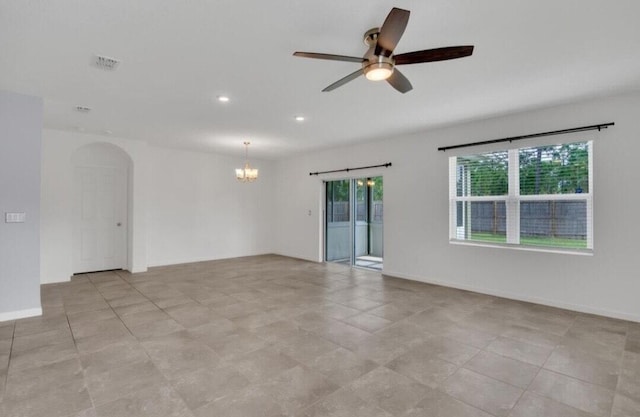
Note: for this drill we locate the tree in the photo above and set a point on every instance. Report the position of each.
(339, 190)
(559, 169)
(484, 175)
(378, 189)
(556, 169)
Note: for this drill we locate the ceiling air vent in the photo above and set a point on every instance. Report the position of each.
(106, 63)
(83, 109)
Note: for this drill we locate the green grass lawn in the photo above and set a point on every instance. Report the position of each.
(558, 242)
(488, 237)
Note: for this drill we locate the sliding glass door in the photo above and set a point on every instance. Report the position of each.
(354, 222)
(337, 221)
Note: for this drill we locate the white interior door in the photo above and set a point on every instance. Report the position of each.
(100, 233)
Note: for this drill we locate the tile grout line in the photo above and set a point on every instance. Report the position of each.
(83, 371)
(270, 290)
(137, 340)
(560, 373)
(75, 345)
(524, 390)
(6, 376)
(151, 360)
(458, 367)
(589, 354)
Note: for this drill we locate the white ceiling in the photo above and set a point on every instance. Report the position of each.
(177, 56)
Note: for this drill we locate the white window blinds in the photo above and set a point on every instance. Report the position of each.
(536, 196)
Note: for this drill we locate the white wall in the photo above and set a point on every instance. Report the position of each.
(20, 147)
(186, 206)
(198, 211)
(417, 211)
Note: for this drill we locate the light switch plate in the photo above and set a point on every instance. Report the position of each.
(15, 217)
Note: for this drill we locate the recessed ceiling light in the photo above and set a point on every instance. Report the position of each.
(299, 118)
(223, 99)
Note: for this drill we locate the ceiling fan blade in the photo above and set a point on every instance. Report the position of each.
(330, 57)
(343, 81)
(399, 81)
(430, 55)
(391, 31)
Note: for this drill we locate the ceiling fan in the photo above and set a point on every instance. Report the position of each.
(379, 63)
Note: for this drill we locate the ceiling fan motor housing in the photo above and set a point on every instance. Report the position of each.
(371, 37)
(376, 67)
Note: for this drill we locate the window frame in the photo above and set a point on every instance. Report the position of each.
(512, 202)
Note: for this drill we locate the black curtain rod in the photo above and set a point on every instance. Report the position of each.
(534, 135)
(388, 164)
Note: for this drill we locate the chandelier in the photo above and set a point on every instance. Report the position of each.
(246, 174)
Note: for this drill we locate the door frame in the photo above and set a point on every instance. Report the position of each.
(352, 215)
(97, 155)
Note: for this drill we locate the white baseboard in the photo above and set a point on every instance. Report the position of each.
(505, 294)
(55, 280)
(68, 278)
(20, 314)
(203, 259)
(302, 258)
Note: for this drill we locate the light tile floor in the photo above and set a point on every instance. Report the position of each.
(272, 336)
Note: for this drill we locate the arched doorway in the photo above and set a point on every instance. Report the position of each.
(101, 208)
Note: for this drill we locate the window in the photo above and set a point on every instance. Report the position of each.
(534, 197)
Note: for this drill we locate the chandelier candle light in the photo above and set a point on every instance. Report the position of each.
(246, 174)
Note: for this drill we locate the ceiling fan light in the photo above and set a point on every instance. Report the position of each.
(378, 71)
